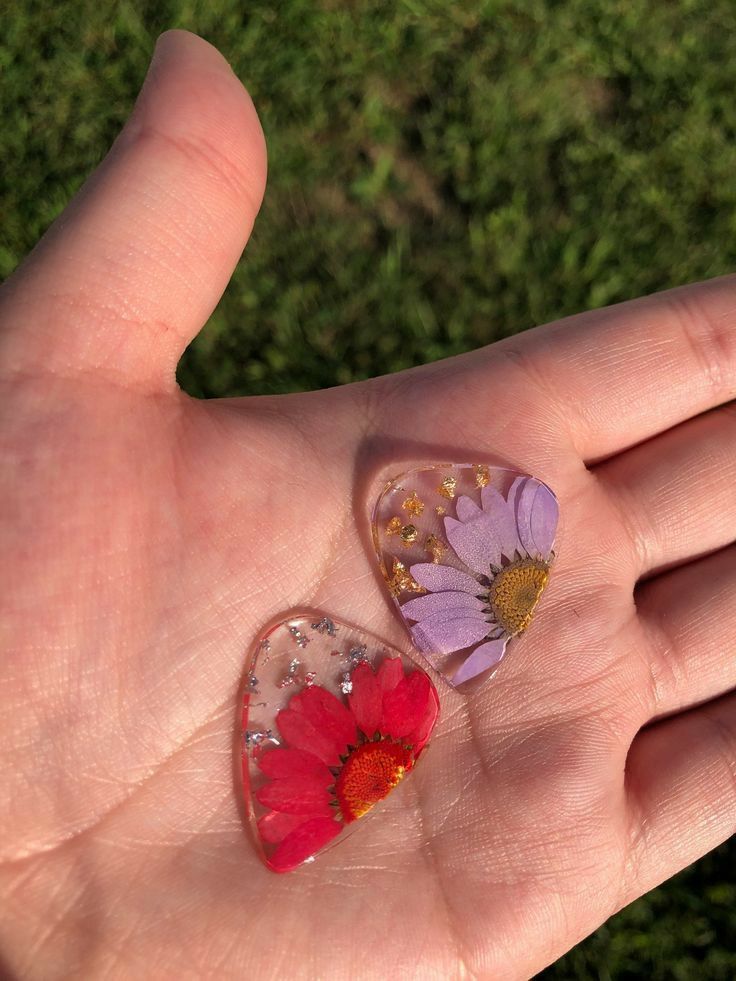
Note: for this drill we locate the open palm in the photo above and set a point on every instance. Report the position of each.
(146, 537)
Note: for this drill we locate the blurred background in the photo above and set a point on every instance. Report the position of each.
(442, 174)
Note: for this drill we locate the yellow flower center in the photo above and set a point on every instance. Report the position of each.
(368, 775)
(515, 592)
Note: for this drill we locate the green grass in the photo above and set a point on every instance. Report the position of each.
(442, 174)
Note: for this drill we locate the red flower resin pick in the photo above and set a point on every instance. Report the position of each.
(319, 756)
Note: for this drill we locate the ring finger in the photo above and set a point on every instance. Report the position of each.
(689, 620)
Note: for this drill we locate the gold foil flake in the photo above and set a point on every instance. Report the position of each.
(413, 504)
(408, 535)
(394, 526)
(436, 547)
(482, 475)
(447, 487)
(401, 579)
(440, 510)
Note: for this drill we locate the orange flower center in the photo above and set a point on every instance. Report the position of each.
(368, 775)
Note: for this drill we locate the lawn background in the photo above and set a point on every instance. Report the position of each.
(442, 174)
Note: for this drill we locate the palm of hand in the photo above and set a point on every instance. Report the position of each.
(150, 536)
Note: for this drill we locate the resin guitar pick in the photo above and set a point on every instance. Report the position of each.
(333, 722)
(466, 551)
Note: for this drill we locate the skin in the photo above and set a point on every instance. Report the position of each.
(146, 537)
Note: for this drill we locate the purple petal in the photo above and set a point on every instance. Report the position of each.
(484, 657)
(513, 493)
(441, 636)
(467, 510)
(444, 616)
(543, 521)
(474, 543)
(524, 503)
(502, 518)
(440, 578)
(454, 603)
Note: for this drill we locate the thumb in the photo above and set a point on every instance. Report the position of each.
(135, 265)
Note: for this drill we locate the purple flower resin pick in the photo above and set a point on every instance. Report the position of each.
(466, 551)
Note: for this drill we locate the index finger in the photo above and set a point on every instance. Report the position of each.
(621, 375)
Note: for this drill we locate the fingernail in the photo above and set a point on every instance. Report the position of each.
(334, 722)
(466, 552)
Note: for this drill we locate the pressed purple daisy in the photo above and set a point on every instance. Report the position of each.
(482, 587)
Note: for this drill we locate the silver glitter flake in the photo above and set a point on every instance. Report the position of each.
(358, 654)
(325, 626)
(253, 682)
(253, 738)
(300, 639)
(309, 678)
(346, 685)
(266, 644)
(290, 676)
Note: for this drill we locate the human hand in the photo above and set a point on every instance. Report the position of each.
(148, 536)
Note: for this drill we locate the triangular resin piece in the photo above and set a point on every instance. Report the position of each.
(333, 721)
(466, 551)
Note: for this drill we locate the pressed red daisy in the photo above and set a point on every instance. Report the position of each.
(338, 758)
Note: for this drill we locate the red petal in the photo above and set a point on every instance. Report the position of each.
(390, 673)
(275, 826)
(293, 763)
(296, 795)
(406, 705)
(366, 699)
(299, 732)
(328, 715)
(303, 842)
(420, 736)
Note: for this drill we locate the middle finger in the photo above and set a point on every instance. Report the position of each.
(676, 493)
